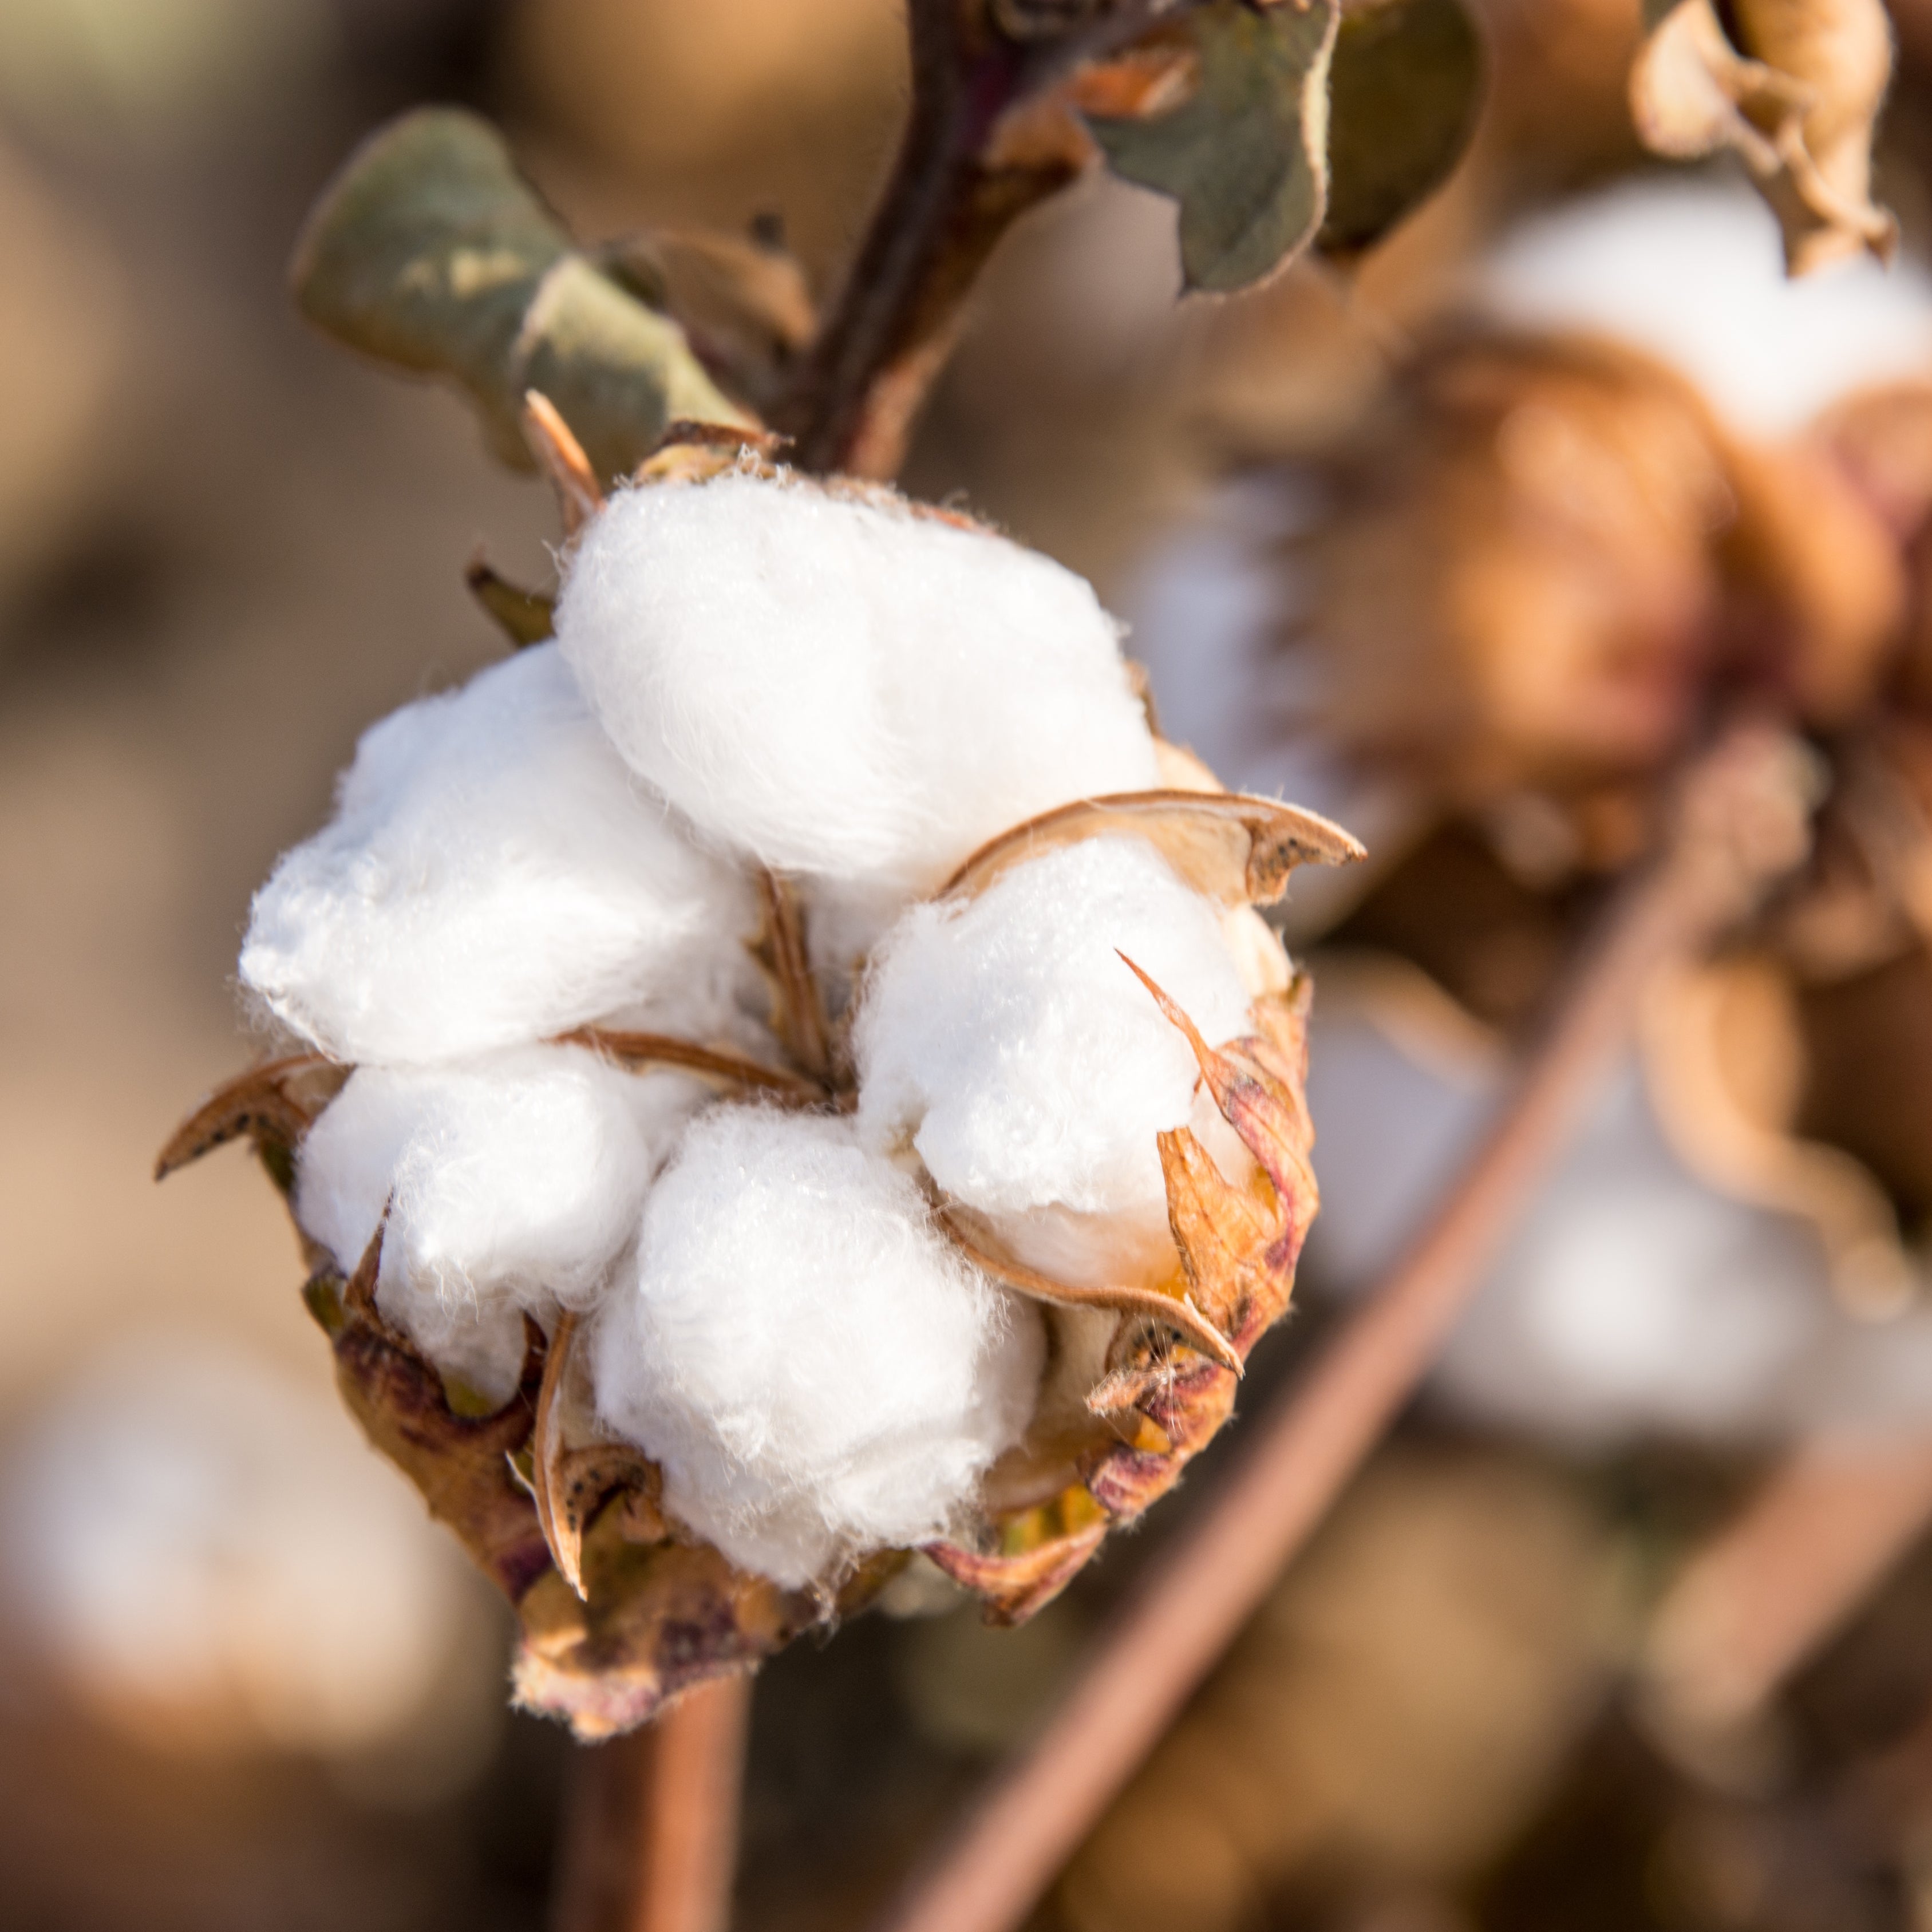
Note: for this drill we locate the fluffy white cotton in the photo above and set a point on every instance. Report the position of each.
(1691, 270)
(840, 687)
(494, 873)
(1031, 1071)
(814, 1368)
(515, 1180)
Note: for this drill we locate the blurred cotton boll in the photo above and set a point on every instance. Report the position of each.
(1634, 1300)
(1691, 270)
(216, 1565)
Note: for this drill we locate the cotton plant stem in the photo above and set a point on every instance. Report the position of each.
(651, 1835)
(953, 191)
(1206, 1585)
(1774, 1586)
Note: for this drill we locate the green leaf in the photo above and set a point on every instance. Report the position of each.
(1403, 88)
(1245, 156)
(430, 251)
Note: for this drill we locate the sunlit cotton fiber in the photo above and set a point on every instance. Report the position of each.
(840, 686)
(1029, 1068)
(814, 1368)
(493, 875)
(514, 1182)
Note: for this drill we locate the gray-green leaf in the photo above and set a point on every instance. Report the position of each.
(1245, 157)
(431, 251)
(1403, 89)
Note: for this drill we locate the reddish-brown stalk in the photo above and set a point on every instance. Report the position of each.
(1206, 1585)
(651, 1837)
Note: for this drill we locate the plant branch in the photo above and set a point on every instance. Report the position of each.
(1203, 1589)
(651, 1838)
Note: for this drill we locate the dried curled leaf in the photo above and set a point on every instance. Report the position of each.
(1794, 88)
(1233, 849)
(429, 250)
(461, 1464)
(274, 1104)
(1404, 84)
(1246, 155)
(1163, 1399)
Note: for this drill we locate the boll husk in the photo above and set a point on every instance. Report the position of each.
(692, 1313)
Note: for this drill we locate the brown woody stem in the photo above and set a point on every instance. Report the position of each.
(885, 305)
(651, 1835)
(1203, 1589)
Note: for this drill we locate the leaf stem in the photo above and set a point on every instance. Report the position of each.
(1203, 1587)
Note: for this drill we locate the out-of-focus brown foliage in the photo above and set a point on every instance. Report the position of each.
(1794, 88)
(1544, 559)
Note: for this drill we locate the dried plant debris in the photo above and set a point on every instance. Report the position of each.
(431, 252)
(689, 1019)
(1792, 87)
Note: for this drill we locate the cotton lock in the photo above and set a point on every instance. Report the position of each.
(494, 875)
(814, 1368)
(512, 1183)
(837, 685)
(1009, 1044)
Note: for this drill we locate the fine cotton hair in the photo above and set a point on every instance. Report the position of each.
(840, 687)
(1009, 1042)
(512, 1183)
(814, 1368)
(493, 875)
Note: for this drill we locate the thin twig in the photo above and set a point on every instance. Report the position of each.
(651, 1837)
(1771, 1588)
(1201, 1590)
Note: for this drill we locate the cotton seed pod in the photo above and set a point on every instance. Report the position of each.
(744, 1341)
(1541, 556)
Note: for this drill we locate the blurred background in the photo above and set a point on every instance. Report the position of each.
(244, 1683)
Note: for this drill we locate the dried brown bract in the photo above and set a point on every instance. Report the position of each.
(1794, 88)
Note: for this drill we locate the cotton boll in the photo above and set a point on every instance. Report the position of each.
(813, 1367)
(1633, 1299)
(494, 873)
(1029, 1070)
(1692, 271)
(840, 687)
(208, 1552)
(514, 1181)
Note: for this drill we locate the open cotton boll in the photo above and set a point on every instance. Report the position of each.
(1692, 270)
(840, 686)
(1031, 1071)
(514, 1182)
(812, 1365)
(494, 874)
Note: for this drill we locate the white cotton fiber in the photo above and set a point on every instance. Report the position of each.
(494, 873)
(1691, 270)
(813, 1367)
(1031, 1070)
(841, 688)
(515, 1180)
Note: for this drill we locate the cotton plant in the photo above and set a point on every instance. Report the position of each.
(788, 1074)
